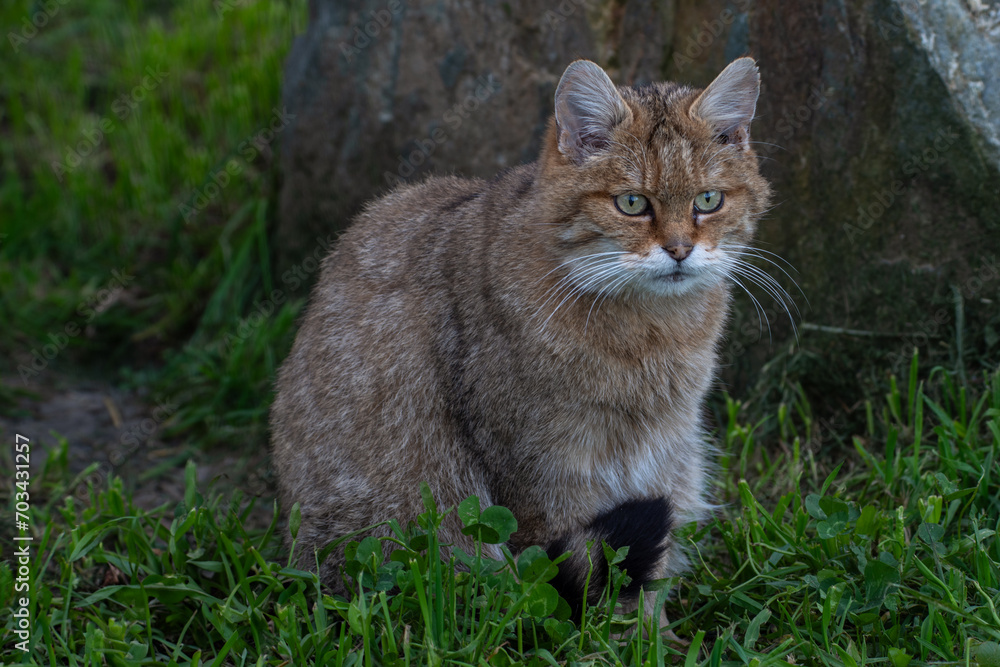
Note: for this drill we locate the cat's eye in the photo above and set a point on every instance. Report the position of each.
(632, 204)
(709, 201)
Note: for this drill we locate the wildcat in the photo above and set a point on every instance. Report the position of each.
(543, 340)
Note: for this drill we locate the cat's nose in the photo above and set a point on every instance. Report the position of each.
(679, 250)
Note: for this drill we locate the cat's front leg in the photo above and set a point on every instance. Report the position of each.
(643, 525)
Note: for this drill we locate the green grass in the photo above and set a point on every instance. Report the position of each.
(102, 242)
(866, 535)
(892, 559)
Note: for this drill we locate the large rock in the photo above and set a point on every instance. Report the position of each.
(388, 90)
(962, 43)
(878, 124)
(889, 196)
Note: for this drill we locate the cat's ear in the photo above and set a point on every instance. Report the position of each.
(729, 102)
(588, 108)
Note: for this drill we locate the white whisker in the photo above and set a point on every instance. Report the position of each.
(761, 317)
(601, 295)
(554, 291)
(569, 281)
(578, 259)
(618, 288)
(747, 251)
(756, 249)
(766, 281)
(750, 252)
(764, 143)
(755, 275)
(578, 282)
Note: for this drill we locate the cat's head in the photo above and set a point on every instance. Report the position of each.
(655, 189)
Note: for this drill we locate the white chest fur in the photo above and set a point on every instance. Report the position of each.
(608, 465)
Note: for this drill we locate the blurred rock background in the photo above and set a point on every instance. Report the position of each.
(879, 124)
(167, 168)
(159, 213)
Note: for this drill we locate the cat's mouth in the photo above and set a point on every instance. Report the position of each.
(676, 276)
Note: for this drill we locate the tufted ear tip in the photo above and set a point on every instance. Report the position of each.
(728, 103)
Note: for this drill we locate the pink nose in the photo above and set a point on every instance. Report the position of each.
(679, 250)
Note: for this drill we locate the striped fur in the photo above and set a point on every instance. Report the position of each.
(522, 340)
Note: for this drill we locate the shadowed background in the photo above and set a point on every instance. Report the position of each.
(173, 171)
(172, 175)
(874, 125)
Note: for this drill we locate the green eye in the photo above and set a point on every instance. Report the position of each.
(631, 204)
(709, 201)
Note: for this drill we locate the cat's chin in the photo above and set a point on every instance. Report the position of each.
(679, 282)
(676, 277)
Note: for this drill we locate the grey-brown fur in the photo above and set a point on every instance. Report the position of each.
(443, 342)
